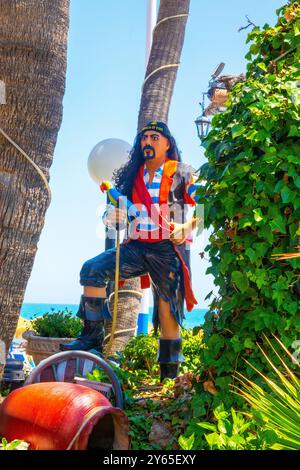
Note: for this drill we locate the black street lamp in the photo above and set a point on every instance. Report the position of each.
(202, 122)
(203, 126)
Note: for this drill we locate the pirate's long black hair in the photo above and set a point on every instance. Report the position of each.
(124, 177)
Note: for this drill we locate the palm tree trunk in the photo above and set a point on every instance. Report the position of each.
(33, 42)
(168, 38)
(127, 312)
(156, 97)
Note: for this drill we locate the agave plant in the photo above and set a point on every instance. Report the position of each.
(280, 406)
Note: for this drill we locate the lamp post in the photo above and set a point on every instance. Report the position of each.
(202, 125)
(151, 21)
(202, 122)
(106, 157)
(142, 322)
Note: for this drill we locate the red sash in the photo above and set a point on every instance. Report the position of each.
(140, 195)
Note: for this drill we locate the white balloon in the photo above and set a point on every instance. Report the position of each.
(107, 156)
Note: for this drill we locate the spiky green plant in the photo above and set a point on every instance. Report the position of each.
(280, 405)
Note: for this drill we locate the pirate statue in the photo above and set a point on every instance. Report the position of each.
(156, 246)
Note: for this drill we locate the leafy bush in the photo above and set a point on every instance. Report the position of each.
(141, 352)
(60, 324)
(232, 431)
(192, 346)
(138, 361)
(252, 181)
(273, 422)
(135, 364)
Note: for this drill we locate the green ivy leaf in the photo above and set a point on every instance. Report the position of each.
(214, 270)
(245, 222)
(248, 343)
(262, 136)
(198, 406)
(294, 131)
(262, 66)
(276, 43)
(260, 278)
(236, 344)
(297, 181)
(261, 248)
(287, 195)
(278, 224)
(292, 307)
(209, 295)
(266, 232)
(237, 130)
(278, 295)
(186, 443)
(251, 254)
(251, 134)
(293, 159)
(223, 384)
(258, 216)
(215, 343)
(240, 280)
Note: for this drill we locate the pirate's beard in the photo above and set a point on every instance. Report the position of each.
(148, 152)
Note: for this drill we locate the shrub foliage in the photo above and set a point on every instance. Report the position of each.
(252, 203)
(59, 324)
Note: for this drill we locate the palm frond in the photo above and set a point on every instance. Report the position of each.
(279, 406)
(284, 256)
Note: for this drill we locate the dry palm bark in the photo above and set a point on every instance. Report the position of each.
(168, 38)
(128, 308)
(33, 43)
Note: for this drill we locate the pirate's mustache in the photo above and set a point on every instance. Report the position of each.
(148, 152)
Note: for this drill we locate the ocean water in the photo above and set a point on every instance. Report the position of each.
(29, 311)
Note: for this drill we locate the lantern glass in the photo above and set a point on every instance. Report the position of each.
(202, 125)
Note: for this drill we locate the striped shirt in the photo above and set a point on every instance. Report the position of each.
(145, 222)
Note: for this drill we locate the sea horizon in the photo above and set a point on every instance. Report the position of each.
(32, 310)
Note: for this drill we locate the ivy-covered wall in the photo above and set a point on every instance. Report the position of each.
(252, 202)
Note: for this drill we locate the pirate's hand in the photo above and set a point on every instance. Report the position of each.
(115, 216)
(182, 231)
(179, 233)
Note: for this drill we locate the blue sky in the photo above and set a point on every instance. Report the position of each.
(105, 72)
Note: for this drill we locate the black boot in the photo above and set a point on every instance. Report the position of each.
(93, 311)
(169, 357)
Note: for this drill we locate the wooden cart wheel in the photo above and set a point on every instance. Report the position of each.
(65, 365)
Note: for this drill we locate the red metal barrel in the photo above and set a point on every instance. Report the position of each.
(63, 416)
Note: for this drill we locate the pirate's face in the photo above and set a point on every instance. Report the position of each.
(154, 145)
